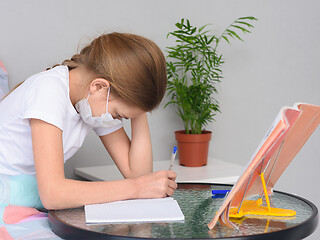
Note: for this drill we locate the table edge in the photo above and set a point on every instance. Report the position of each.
(299, 231)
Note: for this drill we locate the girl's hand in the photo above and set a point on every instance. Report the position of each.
(156, 185)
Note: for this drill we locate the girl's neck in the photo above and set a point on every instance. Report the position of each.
(79, 79)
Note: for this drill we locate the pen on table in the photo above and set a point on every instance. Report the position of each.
(219, 193)
(173, 156)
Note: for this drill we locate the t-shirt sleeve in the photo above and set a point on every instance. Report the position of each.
(46, 99)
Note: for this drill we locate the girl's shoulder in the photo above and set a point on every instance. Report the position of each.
(54, 80)
(46, 96)
(59, 74)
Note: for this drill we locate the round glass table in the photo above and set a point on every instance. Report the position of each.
(199, 207)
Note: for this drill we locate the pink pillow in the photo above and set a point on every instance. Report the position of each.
(14, 214)
(1, 66)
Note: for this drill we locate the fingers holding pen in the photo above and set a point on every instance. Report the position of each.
(172, 186)
(172, 178)
(169, 182)
(168, 179)
(156, 185)
(166, 175)
(171, 175)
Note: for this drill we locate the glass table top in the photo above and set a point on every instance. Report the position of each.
(199, 207)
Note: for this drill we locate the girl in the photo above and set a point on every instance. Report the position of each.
(45, 120)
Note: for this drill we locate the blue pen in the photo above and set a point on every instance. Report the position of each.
(173, 156)
(219, 193)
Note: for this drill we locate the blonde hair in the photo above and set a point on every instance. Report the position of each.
(134, 66)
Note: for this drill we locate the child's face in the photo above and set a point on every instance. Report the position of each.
(120, 109)
(116, 106)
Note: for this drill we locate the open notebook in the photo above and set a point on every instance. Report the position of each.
(134, 211)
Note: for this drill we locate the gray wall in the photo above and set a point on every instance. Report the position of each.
(278, 64)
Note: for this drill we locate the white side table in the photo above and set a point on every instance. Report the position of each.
(216, 171)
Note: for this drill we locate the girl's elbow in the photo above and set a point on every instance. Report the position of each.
(49, 202)
(48, 205)
(50, 199)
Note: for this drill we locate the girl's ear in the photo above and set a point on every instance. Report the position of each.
(98, 85)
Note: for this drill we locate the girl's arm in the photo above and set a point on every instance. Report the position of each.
(57, 192)
(133, 158)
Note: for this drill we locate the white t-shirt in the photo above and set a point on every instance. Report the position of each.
(43, 96)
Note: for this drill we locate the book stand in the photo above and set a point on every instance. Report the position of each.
(254, 207)
(290, 130)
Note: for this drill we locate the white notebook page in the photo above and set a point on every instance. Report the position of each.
(135, 210)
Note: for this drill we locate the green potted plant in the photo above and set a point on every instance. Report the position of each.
(194, 70)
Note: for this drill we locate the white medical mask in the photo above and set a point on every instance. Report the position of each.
(104, 121)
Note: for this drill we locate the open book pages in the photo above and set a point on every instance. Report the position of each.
(288, 133)
(134, 211)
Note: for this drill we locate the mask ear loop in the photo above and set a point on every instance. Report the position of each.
(107, 99)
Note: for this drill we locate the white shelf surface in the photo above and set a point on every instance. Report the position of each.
(216, 171)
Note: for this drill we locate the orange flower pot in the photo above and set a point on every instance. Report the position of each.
(193, 148)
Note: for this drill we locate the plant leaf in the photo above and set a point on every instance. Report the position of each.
(194, 70)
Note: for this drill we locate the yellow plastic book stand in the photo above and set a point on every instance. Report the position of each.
(251, 207)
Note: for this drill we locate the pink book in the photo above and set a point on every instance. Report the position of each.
(288, 133)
